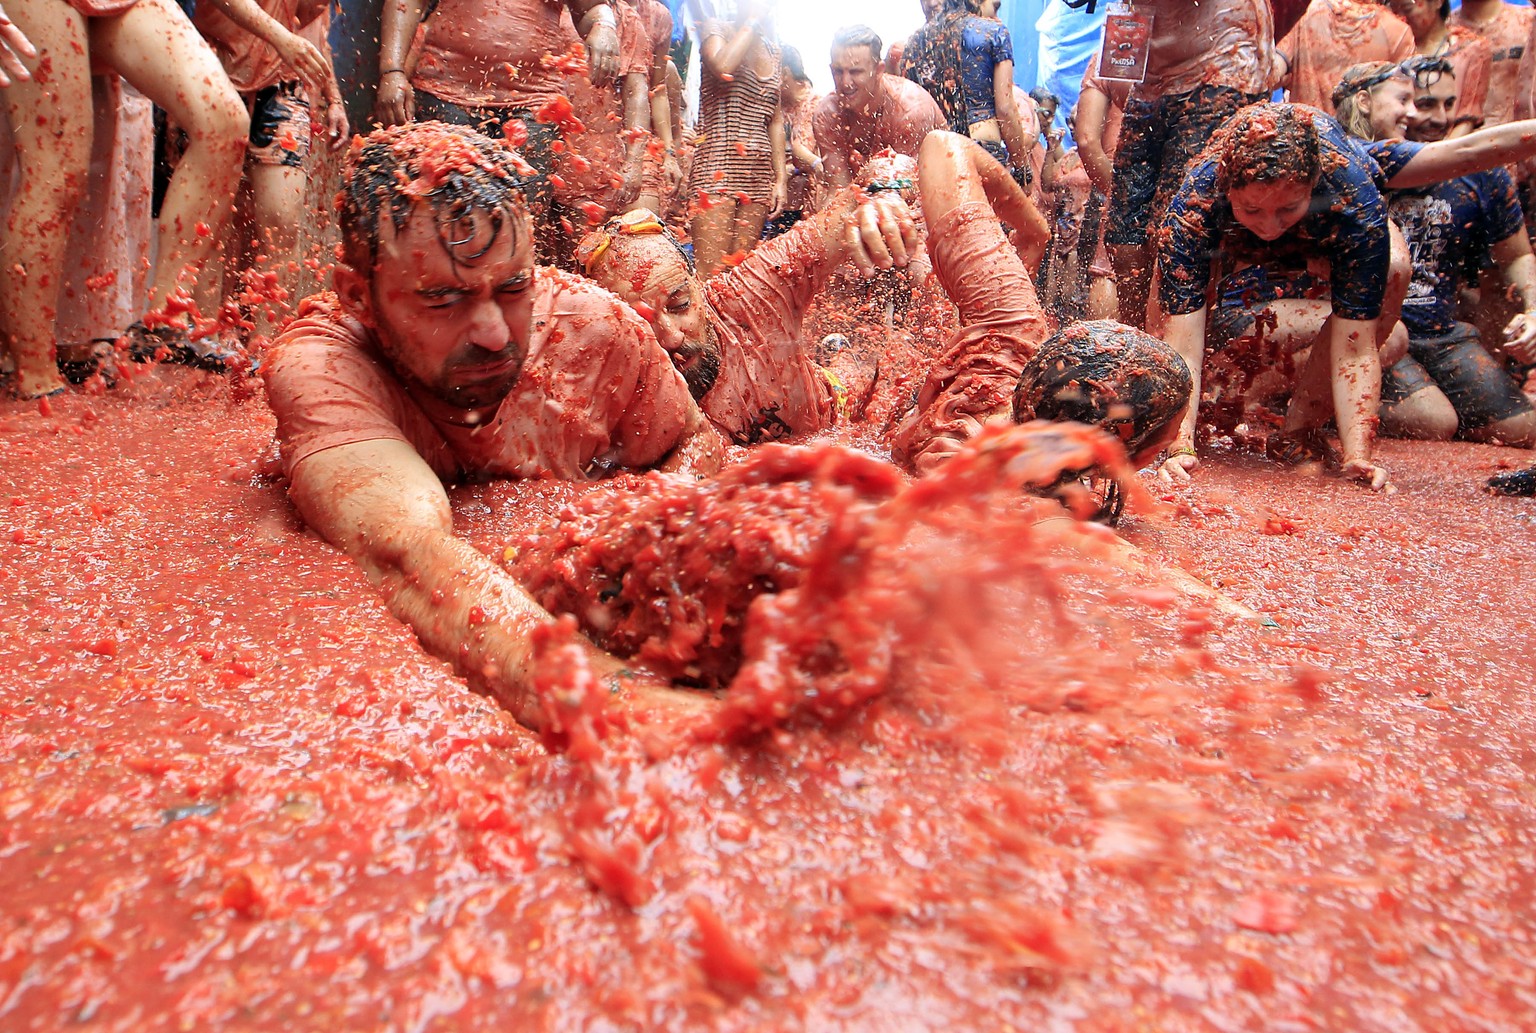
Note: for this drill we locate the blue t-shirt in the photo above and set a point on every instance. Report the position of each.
(1449, 226)
(954, 60)
(1346, 224)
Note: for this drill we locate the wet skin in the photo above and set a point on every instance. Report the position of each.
(454, 326)
(856, 78)
(650, 275)
(1269, 210)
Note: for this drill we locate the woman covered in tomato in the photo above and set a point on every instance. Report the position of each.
(1294, 208)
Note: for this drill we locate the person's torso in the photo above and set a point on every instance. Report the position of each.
(1449, 227)
(1215, 43)
(493, 52)
(1507, 33)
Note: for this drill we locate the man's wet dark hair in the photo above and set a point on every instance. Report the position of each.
(1106, 374)
(859, 36)
(1041, 95)
(1267, 143)
(455, 171)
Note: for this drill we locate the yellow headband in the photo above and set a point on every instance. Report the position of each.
(643, 222)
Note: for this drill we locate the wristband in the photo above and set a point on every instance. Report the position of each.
(1173, 453)
(391, 71)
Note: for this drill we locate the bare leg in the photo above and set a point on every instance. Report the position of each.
(52, 128)
(277, 206)
(155, 48)
(748, 226)
(1103, 300)
(1426, 415)
(713, 232)
(1517, 431)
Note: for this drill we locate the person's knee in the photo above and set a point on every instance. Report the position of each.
(220, 120)
(1518, 431)
(1426, 415)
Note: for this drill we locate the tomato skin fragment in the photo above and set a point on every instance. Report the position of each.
(1266, 911)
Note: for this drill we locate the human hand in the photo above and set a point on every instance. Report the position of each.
(629, 189)
(779, 196)
(1176, 469)
(672, 173)
(306, 61)
(337, 131)
(602, 53)
(881, 233)
(1520, 337)
(14, 46)
(1363, 470)
(395, 103)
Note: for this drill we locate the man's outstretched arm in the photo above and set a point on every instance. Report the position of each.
(379, 502)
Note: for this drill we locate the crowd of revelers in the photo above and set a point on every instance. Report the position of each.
(548, 268)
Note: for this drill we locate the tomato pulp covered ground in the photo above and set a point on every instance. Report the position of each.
(237, 794)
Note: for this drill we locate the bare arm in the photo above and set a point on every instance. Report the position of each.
(382, 505)
(598, 25)
(661, 102)
(298, 53)
(1513, 254)
(780, 148)
(701, 452)
(723, 56)
(1356, 394)
(1008, 121)
(395, 102)
(834, 161)
(637, 123)
(1185, 334)
(1092, 111)
(1476, 152)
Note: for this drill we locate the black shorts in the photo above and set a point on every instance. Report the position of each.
(279, 125)
(537, 151)
(1478, 386)
(1158, 140)
(1023, 175)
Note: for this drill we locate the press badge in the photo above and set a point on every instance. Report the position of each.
(1127, 43)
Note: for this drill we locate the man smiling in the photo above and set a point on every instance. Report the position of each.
(446, 354)
(869, 111)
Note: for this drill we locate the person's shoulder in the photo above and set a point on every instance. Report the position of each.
(1493, 184)
(571, 303)
(910, 95)
(1391, 156)
(321, 324)
(987, 28)
(826, 113)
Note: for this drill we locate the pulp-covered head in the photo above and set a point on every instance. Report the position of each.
(458, 175)
(1111, 376)
(1268, 160)
(1374, 99)
(635, 256)
(438, 250)
(888, 170)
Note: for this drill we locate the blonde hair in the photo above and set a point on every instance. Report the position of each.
(1364, 78)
